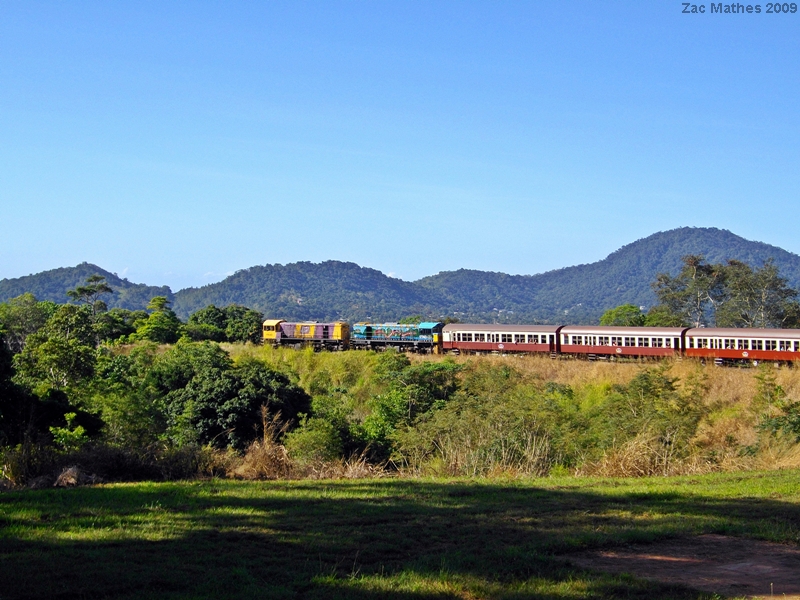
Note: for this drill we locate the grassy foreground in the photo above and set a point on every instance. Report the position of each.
(386, 538)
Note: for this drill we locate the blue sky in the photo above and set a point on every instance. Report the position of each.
(176, 142)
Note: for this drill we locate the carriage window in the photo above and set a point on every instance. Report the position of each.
(576, 340)
(603, 340)
(756, 345)
(770, 344)
(667, 343)
(797, 346)
(730, 344)
(519, 338)
(690, 342)
(658, 342)
(785, 346)
(533, 339)
(506, 338)
(468, 337)
(480, 337)
(616, 341)
(629, 341)
(644, 342)
(742, 345)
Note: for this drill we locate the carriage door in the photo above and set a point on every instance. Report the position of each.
(326, 335)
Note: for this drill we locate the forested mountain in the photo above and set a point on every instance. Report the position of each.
(53, 285)
(581, 293)
(304, 290)
(340, 290)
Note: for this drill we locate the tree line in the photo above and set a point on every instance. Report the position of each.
(71, 371)
(703, 294)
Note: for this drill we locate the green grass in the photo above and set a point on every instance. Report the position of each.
(401, 539)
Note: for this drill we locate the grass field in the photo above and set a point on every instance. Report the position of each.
(385, 538)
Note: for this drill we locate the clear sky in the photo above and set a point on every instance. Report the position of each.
(175, 142)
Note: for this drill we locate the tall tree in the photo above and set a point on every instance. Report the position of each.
(243, 324)
(23, 316)
(755, 298)
(695, 293)
(625, 315)
(162, 325)
(61, 353)
(91, 293)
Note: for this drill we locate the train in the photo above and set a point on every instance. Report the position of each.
(722, 345)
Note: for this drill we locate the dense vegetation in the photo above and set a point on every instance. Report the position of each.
(132, 394)
(338, 290)
(703, 294)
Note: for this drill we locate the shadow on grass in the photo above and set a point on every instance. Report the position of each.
(396, 539)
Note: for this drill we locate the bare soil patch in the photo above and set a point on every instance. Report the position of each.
(718, 564)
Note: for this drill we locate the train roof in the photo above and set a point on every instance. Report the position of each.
(742, 332)
(510, 328)
(273, 322)
(600, 329)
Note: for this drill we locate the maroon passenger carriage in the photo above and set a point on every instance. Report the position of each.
(752, 345)
(605, 342)
(474, 338)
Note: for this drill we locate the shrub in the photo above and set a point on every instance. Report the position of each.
(315, 441)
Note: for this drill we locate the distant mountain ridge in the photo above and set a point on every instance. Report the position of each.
(343, 290)
(53, 285)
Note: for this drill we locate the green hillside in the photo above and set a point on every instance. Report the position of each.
(307, 291)
(53, 285)
(581, 293)
(342, 290)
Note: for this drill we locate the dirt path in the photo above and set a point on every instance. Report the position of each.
(713, 563)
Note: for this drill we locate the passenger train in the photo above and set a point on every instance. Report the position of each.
(592, 342)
